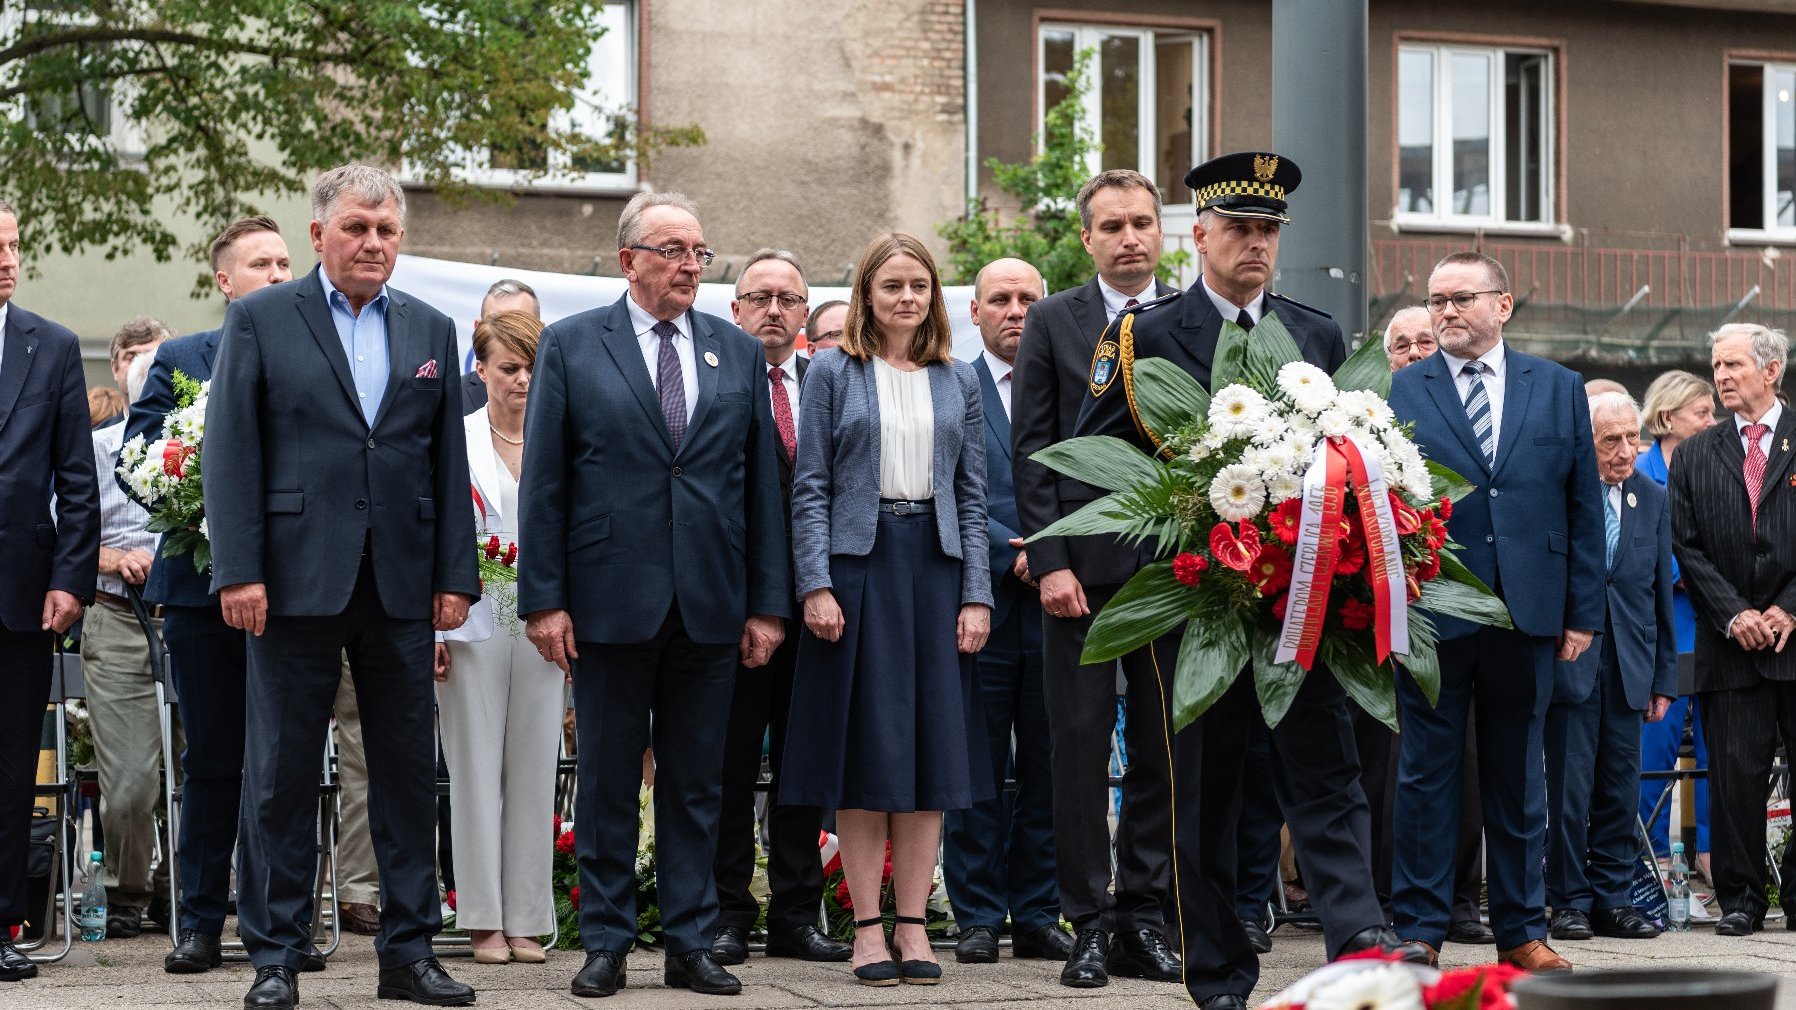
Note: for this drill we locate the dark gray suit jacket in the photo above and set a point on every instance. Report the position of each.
(297, 479)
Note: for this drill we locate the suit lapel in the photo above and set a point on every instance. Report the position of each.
(1518, 385)
(1630, 515)
(1445, 391)
(15, 362)
(1200, 327)
(481, 463)
(995, 418)
(619, 340)
(1778, 459)
(1088, 312)
(704, 351)
(1732, 453)
(317, 314)
(402, 350)
(209, 349)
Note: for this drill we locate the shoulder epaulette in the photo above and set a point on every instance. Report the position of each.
(1293, 301)
(1153, 303)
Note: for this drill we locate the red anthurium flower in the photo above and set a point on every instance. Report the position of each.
(1445, 507)
(1236, 552)
(1271, 571)
(492, 546)
(1415, 588)
(1189, 568)
(1356, 614)
(1286, 519)
(1408, 519)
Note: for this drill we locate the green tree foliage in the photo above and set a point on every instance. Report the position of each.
(1046, 187)
(243, 99)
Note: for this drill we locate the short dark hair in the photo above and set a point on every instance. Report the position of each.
(138, 331)
(1118, 178)
(236, 230)
(1499, 277)
(810, 323)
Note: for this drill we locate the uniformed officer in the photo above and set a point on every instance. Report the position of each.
(1241, 204)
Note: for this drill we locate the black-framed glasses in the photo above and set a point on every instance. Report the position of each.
(1462, 300)
(760, 299)
(680, 252)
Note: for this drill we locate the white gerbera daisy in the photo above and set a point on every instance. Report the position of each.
(1237, 411)
(1237, 493)
(1309, 387)
(1386, 987)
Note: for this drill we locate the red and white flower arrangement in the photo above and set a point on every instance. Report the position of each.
(164, 475)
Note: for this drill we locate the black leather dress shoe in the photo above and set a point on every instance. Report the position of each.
(1047, 942)
(1623, 923)
(1470, 931)
(730, 945)
(1257, 937)
(1087, 967)
(699, 971)
(195, 953)
(1224, 1002)
(603, 974)
(14, 965)
(806, 943)
(275, 988)
(424, 981)
(312, 959)
(1385, 939)
(1144, 954)
(1737, 924)
(978, 945)
(1570, 924)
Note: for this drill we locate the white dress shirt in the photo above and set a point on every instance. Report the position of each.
(650, 341)
(1232, 312)
(788, 368)
(1493, 386)
(1115, 301)
(3, 307)
(1001, 370)
(1772, 416)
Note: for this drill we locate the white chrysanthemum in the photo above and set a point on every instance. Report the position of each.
(1278, 457)
(1334, 421)
(1199, 451)
(1309, 387)
(1283, 487)
(1213, 440)
(1367, 408)
(1237, 493)
(1386, 987)
(1237, 411)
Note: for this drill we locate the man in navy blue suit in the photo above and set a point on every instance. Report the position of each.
(998, 856)
(1593, 724)
(1514, 425)
(53, 554)
(654, 557)
(333, 432)
(207, 656)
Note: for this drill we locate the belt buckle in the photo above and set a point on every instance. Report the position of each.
(903, 508)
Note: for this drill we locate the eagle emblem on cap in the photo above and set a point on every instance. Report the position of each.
(1265, 166)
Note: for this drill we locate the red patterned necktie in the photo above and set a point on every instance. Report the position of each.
(782, 413)
(1755, 468)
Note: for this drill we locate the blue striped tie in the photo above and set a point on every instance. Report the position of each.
(1611, 527)
(1477, 410)
(670, 383)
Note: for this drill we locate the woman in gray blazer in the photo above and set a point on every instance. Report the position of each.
(888, 523)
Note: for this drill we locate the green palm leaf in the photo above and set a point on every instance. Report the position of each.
(1366, 368)
(1101, 460)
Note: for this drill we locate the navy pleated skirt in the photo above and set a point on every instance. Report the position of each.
(887, 718)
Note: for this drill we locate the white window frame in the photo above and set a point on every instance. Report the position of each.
(1443, 218)
(125, 136)
(1087, 35)
(1769, 231)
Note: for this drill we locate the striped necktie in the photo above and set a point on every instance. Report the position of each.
(1611, 528)
(1477, 411)
(670, 383)
(1754, 470)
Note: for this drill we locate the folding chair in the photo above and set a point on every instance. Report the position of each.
(58, 795)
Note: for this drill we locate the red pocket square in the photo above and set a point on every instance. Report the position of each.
(429, 371)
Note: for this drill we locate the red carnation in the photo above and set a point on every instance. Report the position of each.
(1189, 568)
(1271, 571)
(511, 555)
(449, 899)
(555, 819)
(565, 843)
(492, 546)
(1408, 520)
(1286, 519)
(1436, 532)
(844, 898)
(1278, 606)
(1356, 614)
(1428, 568)
(573, 896)
(1446, 507)
(1489, 981)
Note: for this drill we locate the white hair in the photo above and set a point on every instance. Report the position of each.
(1767, 344)
(136, 374)
(1399, 314)
(1611, 402)
(365, 182)
(629, 222)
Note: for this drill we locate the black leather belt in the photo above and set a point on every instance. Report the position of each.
(112, 601)
(906, 508)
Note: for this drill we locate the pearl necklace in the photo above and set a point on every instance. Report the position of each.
(504, 437)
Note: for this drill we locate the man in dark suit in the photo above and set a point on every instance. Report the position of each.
(1733, 524)
(333, 432)
(208, 658)
(1242, 207)
(1593, 723)
(506, 295)
(652, 465)
(770, 306)
(1513, 425)
(46, 447)
(998, 856)
(1119, 214)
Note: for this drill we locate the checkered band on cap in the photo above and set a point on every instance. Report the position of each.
(1239, 187)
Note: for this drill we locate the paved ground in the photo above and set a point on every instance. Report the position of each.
(129, 974)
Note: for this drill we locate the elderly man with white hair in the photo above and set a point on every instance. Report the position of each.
(1599, 699)
(1409, 337)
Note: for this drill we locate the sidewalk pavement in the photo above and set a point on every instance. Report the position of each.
(128, 973)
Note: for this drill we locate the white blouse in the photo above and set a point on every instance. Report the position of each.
(906, 433)
(508, 497)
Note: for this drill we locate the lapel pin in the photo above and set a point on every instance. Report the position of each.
(1633, 502)
(1786, 445)
(711, 358)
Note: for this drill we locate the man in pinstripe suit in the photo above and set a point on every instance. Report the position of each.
(1733, 522)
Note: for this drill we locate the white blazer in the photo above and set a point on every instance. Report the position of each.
(484, 474)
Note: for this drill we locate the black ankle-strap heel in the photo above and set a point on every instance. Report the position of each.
(918, 972)
(879, 973)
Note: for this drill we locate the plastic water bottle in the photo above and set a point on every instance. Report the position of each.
(93, 901)
(1677, 891)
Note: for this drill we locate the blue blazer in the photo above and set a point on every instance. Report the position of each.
(297, 479)
(835, 493)
(172, 581)
(1533, 528)
(615, 526)
(46, 447)
(1653, 464)
(1640, 625)
(1001, 522)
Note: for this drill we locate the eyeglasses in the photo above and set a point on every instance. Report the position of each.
(825, 337)
(759, 299)
(680, 252)
(1462, 300)
(1402, 346)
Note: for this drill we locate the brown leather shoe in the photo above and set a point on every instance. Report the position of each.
(1534, 956)
(359, 917)
(1434, 956)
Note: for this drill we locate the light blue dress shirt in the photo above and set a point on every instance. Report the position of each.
(364, 340)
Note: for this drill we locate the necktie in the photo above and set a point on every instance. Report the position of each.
(1611, 528)
(1131, 303)
(1755, 469)
(1477, 411)
(782, 413)
(670, 384)
(1244, 320)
